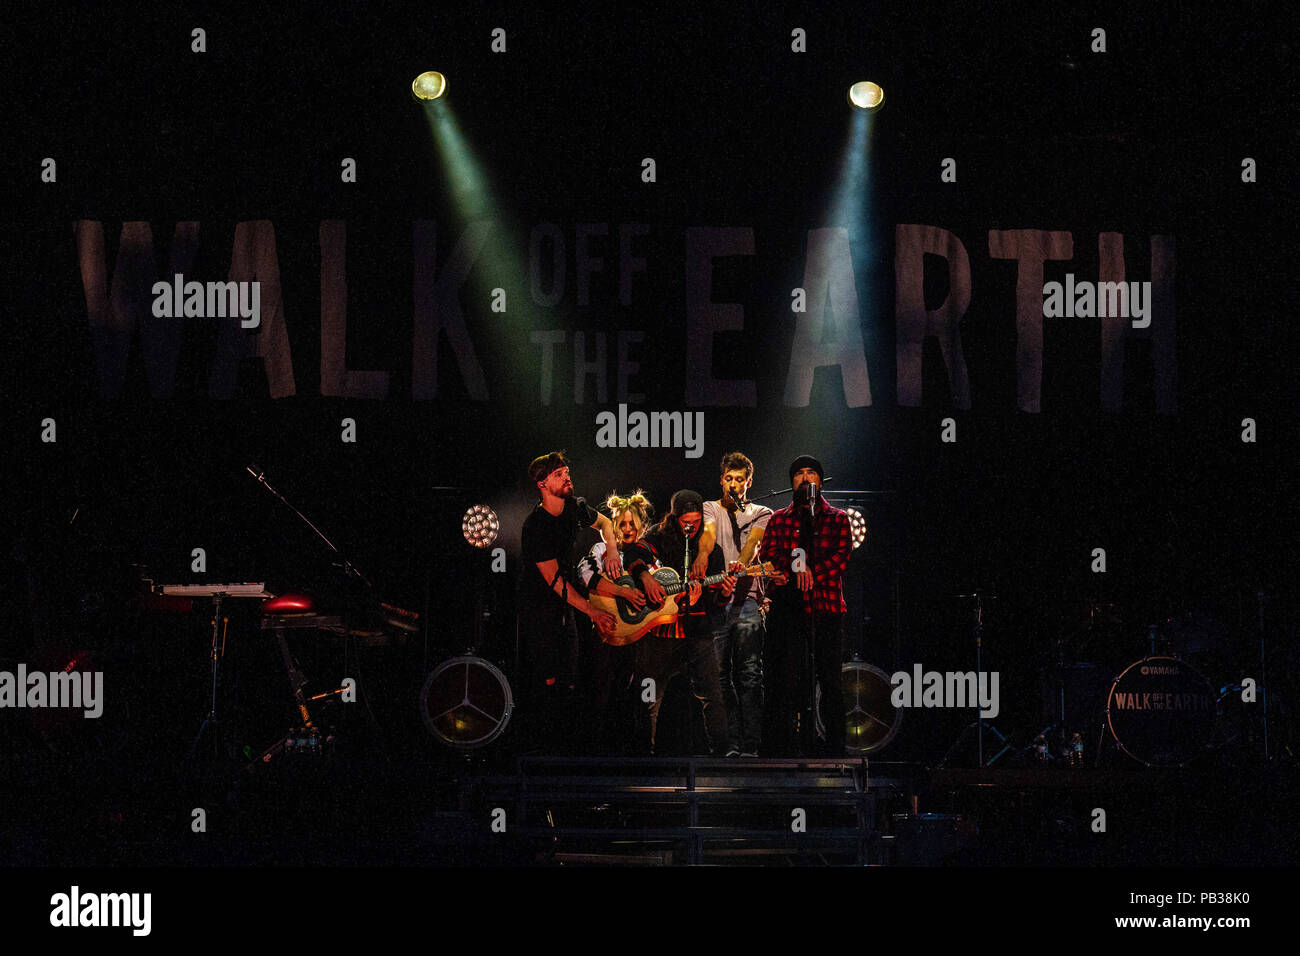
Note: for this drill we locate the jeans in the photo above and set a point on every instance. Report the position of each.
(738, 641)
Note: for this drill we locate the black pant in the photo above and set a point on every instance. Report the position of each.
(611, 701)
(549, 717)
(788, 721)
(660, 658)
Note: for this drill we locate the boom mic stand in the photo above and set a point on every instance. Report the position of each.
(810, 635)
(348, 567)
(308, 732)
(785, 491)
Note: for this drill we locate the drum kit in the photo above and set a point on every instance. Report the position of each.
(1139, 692)
(1143, 690)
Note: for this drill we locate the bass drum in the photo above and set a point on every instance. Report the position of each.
(871, 721)
(1161, 712)
(466, 703)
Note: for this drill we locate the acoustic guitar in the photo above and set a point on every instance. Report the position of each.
(631, 622)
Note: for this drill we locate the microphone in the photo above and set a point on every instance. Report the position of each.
(808, 491)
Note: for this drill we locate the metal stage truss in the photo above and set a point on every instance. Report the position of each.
(694, 810)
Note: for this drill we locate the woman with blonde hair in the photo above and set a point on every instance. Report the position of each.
(612, 666)
(631, 514)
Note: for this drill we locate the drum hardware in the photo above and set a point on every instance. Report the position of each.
(1160, 712)
(1076, 689)
(1239, 723)
(1040, 745)
(978, 725)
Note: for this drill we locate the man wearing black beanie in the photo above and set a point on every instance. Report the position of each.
(811, 542)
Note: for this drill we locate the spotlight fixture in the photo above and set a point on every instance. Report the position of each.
(866, 95)
(429, 86)
(858, 527)
(480, 526)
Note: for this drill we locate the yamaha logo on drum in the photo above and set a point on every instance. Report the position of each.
(1161, 712)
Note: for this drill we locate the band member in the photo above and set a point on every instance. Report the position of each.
(807, 616)
(686, 645)
(612, 667)
(549, 592)
(738, 638)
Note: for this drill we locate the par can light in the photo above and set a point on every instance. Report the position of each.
(866, 95)
(480, 526)
(429, 86)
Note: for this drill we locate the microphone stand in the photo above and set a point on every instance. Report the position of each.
(348, 567)
(297, 679)
(1263, 672)
(687, 531)
(810, 637)
(786, 491)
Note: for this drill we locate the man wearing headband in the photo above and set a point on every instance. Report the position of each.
(811, 542)
(687, 645)
(549, 591)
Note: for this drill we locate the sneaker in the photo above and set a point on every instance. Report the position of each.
(733, 753)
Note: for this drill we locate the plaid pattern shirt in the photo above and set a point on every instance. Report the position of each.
(833, 548)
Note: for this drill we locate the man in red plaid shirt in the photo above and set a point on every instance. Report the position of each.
(807, 612)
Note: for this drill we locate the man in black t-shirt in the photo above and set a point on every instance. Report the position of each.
(549, 589)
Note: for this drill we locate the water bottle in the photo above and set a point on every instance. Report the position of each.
(1075, 752)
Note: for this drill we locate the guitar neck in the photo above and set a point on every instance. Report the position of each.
(706, 582)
